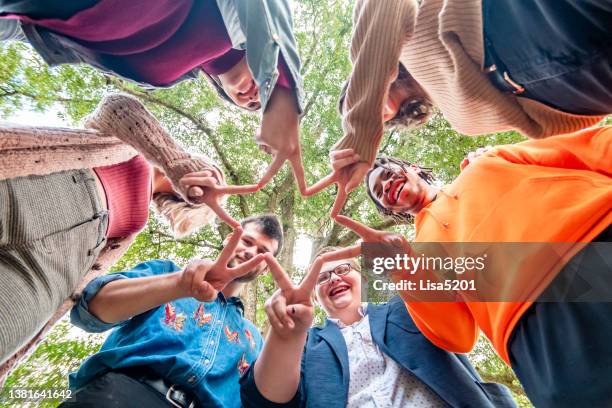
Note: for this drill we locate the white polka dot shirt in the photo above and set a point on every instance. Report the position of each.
(376, 380)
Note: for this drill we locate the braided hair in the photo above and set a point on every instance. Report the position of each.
(425, 173)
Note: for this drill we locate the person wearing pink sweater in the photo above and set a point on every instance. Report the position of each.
(73, 200)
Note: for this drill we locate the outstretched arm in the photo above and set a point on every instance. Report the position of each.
(448, 325)
(121, 299)
(290, 312)
(380, 30)
(128, 120)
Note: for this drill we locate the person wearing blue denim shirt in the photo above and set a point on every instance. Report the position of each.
(182, 351)
(262, 29)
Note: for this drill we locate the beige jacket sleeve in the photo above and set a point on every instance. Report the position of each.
(128, 120)
(380, 29)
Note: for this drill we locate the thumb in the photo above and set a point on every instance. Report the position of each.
(205, 292)
(354, 181)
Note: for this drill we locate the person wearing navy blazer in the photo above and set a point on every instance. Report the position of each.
(365, 355)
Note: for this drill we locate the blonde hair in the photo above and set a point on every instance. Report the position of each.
(185, 218)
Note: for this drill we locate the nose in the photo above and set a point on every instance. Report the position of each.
(334, 278)
(249, 253)
(389, 110)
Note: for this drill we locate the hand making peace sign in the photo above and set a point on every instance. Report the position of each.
(290, 309)
(203, 187)
(371, 235)
(347, 172)
(202, 279)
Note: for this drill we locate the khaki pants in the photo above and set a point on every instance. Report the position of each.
(52, 229)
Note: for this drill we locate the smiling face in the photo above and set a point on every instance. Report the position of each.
(252, 242)
(399, 189)
(341, 295)
(239, 85)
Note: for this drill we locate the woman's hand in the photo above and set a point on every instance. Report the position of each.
(347, 172)
(203, 187)
(203, 279)
(280, 136)
(290, 310)
(371, 235)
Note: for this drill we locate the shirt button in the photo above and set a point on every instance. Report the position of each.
(206, 362)
(275, 36)
(218, 321)
(212, 342)
(192, 379)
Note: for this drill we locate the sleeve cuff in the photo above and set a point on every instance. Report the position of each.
(252, 398)
(80, 315)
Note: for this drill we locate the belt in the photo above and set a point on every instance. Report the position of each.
(498, 73)
(174, 394)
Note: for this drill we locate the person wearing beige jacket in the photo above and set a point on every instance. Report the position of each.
(540, 67)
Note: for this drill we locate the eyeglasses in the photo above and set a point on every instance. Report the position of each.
(339, 270)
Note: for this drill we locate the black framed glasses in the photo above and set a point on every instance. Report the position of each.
(340, 270)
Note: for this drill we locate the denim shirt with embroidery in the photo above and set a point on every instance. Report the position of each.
(261, 27)
(202, 346)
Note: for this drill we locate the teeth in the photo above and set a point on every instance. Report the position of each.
(338, 290)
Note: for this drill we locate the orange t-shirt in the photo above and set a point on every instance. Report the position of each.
(557, 189)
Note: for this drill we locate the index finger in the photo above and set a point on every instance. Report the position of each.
(223, 215)
(298, 170)
(344, 253)
(245, 267)
(310, 281)
(279, 274)
(275, 166)
(245, 189)
(320, 185)
(360, 229)
(341, 197)
(227, 252)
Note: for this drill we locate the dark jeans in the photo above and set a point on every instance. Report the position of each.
(116, 390)
(562, 352)
(560, 51)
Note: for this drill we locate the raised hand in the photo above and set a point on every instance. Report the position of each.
(280, 136)
(473, 156)
(202, 279)
(371, 235)
(347, 172)
(203, 187)
(290, 310)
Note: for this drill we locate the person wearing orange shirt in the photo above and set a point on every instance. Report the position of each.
(554, 190)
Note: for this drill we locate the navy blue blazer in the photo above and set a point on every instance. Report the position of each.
(325, 366)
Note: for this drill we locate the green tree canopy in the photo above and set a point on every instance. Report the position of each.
(194, 115)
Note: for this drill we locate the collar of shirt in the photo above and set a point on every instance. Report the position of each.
(363, 311)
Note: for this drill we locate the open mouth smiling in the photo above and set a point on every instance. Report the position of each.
(338, 290)
(394, 192)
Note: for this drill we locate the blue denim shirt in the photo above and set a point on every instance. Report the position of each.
(204, 347)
